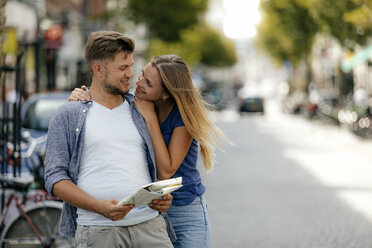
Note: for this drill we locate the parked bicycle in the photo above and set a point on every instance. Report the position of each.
(35, 224)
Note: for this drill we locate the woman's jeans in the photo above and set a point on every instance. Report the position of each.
(191, 224)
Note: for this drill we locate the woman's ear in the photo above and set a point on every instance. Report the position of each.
(165, 97)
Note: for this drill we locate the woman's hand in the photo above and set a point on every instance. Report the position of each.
(146, 108)
(162, 204)
(79, 94)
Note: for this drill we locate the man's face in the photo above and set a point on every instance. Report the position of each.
(117, 74)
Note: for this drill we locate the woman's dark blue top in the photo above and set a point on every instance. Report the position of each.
(191, 180)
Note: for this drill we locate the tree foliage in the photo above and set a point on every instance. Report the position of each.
(288, 27)
(201, 44)
(174, 27)
(349, 21)
(157, 47)
(287, 30)
(166, 19)
(215, 49)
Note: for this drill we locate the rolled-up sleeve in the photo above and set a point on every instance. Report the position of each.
(57, 157)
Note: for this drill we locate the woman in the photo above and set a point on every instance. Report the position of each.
(176, 117)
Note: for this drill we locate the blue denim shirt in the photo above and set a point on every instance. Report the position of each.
(64, 148)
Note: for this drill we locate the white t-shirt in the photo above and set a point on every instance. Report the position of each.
(113, 163)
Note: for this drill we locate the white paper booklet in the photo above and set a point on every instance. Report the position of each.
(147, 193)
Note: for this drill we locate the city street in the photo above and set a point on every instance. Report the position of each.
(289, 183)
(284, 181)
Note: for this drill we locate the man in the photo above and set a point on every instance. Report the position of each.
(99, 151)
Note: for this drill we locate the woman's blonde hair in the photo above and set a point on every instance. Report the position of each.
(176, 80)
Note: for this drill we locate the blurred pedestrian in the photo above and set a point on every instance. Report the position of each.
(97, 153)
(176, 117)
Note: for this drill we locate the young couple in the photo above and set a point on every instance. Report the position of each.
(100, 149)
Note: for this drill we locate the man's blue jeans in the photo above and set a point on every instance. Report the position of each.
(191, 224)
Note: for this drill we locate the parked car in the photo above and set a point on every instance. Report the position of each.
(250, 101)
(36, 114)
(39, 109)
(253, 104)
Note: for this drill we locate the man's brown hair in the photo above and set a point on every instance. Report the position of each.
(105, 45)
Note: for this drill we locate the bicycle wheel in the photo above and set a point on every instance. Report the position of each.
(45, 218)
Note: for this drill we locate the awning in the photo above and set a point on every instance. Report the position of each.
(360, 57)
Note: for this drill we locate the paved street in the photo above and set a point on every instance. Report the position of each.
(290, 183)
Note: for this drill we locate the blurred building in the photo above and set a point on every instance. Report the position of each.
(326, 57)
(51, 34)
(339, 72)
(359, 63)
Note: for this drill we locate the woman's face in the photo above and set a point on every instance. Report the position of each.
(149, 84)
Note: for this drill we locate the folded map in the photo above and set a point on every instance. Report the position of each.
(149, 192)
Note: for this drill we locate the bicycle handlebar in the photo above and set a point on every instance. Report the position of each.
(33, 144)
(17, 183)
(33, 153)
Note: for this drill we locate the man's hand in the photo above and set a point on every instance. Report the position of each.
(72, 194)
(110, 210)
(79, 94)
(163, 204)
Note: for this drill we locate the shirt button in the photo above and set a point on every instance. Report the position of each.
(84, 110)
(77, 129)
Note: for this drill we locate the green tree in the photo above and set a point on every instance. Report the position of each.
(287, 30)
(157, 46)
(215, 49)
(288, 27)
(201, 44)
(174, 27)
(166, 19)
(349, 21)
(361, 16)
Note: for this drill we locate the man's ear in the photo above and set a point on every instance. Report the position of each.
(98, 70)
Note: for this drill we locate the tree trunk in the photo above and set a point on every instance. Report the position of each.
(309, 72)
